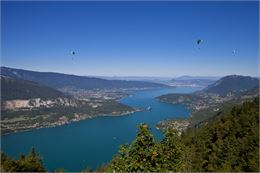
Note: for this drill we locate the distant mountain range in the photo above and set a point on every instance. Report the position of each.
(192, 81)
(232, 84)
(137, 78)
(213, 78)
(209, 82)
(59, 80)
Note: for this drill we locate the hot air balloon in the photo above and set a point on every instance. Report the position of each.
(72, 54)
(199, 41)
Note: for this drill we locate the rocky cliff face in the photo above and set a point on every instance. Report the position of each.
(37, 103)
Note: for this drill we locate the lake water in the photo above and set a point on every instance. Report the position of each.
(93, 142)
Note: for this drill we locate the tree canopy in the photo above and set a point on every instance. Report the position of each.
(30, 163)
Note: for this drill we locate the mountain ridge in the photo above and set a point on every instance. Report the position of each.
(61, 80)
(12, 88)
(232, 83)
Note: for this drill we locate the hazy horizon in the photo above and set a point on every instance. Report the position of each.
(117, 76)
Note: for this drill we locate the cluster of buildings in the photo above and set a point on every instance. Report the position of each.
(104, 94)
(178, 125)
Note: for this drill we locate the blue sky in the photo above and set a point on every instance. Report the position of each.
(132, 38)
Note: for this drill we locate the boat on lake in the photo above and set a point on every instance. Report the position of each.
(149, 108)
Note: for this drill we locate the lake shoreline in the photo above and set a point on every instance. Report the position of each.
(131, 110)
(89, 137)
(126, 113)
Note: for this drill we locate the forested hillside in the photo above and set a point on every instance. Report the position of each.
(229, 143)
(12, 88)
(231, 84)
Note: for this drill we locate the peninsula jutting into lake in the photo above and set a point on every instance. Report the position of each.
(129, 86)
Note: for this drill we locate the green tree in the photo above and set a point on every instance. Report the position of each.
(172, 152)
(30, 163)
(147, 155)
(7, 164)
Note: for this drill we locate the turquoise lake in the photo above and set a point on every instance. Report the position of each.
(93, 142)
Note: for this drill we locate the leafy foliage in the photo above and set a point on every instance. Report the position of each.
(30, 163)
(146, 155)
